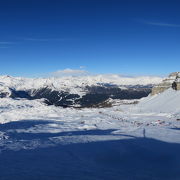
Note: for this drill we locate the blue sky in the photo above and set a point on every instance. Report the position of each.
(131, 37)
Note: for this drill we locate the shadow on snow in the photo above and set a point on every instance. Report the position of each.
(128, 159)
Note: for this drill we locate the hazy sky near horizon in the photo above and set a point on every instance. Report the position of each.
(131, 37)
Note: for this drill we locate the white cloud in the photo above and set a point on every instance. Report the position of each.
(6, 43)
(46, 39)
(38, 39)
(4, 47)
(69, 72)
(82, 67)
(156, 23)
(163, 24)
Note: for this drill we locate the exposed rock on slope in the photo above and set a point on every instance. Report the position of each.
(173, 81)
(4, 91)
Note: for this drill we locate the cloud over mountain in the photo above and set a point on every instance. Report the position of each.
(69, 72)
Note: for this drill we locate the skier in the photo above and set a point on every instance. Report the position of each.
(144, 133)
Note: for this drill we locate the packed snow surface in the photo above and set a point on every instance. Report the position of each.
(166, 102)
(129, 141)
(157, 114)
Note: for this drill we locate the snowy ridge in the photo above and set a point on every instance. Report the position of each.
(74, 85)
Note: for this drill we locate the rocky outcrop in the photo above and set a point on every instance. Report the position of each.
(173, 81)
(4, 91)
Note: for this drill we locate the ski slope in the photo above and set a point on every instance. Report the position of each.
(130, 141)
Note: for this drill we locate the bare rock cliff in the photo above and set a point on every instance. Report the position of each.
(173, 81)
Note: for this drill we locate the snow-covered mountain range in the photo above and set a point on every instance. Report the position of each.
(82, 91)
